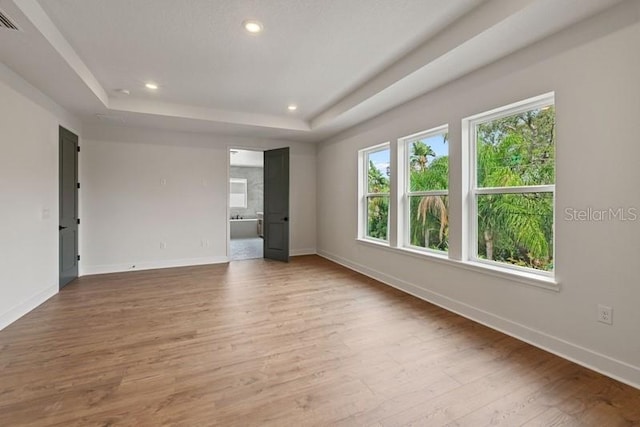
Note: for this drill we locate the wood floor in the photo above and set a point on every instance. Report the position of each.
(265, 343)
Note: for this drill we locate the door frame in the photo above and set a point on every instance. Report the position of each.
(228, 191)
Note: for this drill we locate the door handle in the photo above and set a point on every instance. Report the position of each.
(60, 228)
(285, 219)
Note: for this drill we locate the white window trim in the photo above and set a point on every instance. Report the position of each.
(242, 181)
(363, 194)
(404, 226)
(469, 124)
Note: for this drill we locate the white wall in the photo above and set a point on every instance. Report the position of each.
(28, 187)
(127, 211)
(593, 69)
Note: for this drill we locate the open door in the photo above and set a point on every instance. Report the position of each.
(68, 227)
(276, 204)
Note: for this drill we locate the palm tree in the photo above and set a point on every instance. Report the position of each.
(430, 211)
(420, 153)
(516, 151)
(436, 206)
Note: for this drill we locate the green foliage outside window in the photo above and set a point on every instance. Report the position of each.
(518, 150)
(428, 215)
(377, 206)
(513, 151)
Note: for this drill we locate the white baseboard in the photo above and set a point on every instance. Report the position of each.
(23, 308)
(149, 265)
(598, 362)
(300, 252)
(152, 265)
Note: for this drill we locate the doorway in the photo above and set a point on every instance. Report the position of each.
(258, 204)
(246, 204)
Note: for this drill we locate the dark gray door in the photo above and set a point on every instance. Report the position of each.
(276, 204)
(68, 228)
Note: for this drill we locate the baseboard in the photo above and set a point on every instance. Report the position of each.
(23, 308)
(300, 252)
(598, 362)
(119, 268)
(151, 265)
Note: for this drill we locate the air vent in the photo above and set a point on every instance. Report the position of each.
(6, 23)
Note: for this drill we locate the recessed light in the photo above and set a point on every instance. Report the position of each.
(292, 107)
(252, 26)
(122, 91)
(151, 86)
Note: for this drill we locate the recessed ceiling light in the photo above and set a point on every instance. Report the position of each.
(151, 86)
(292, 107)
(122, 91)
(252, 26)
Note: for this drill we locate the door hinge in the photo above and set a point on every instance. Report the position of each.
(78, 257)
(78, 148)
(78, 185)
(78, 221)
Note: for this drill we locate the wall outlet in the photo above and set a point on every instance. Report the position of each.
(605, 314)
(163, 245)
(205, 243)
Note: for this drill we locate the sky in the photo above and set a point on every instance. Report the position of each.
(381, 159)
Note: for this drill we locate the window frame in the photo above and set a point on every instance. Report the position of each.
(231, 192)
(365, 195)
(405, 190)
(471, 124)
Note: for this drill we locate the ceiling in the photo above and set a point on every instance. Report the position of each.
(340, 61)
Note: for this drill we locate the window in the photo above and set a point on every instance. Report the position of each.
(374, 205)
(237, 193)
(513, 184)
(426, 187)
(487, 203)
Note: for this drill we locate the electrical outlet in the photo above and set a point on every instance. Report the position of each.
(163, 245)
(605, 314)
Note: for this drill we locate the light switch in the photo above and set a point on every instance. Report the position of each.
(46, 213)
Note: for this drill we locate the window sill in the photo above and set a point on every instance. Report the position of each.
(373, 242)
(521, 277)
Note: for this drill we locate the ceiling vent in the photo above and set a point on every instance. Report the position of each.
(6, 23)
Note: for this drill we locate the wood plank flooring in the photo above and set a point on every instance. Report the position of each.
(260, 343)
